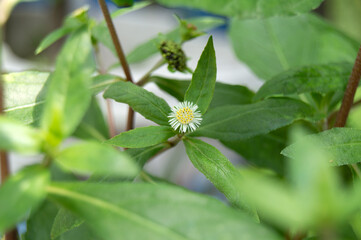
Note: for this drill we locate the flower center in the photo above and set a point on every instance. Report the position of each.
(185, 115)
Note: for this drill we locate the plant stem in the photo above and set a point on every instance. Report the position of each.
(110, 117)
(334, 114)
(4, 161)
(146, 76)
(348, 99)
(120, 54)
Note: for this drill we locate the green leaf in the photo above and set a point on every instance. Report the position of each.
(316, 78)
(142, 137)
(123, 3)
(146, 103)
(263, 151)
(248, 8)
(25, 93)
(41, 221)
(150, 47)
(20, 193)
(16, 137)
(73, 22)
(68, 95)
(101, 82)
(217, 168)
(271, 46)
(98, 159)
(342, 144)
(64, 222)
(201, 89)
(93, 126)
(22, 93)
(232, 123)
(135, 209)
(224, 94)
(142, 155)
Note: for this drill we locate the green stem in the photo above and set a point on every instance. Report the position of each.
(146, 177)
(145, 79)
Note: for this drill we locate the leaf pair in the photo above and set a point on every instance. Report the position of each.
(199, 92)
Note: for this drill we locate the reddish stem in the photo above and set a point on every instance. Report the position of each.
(120, 54)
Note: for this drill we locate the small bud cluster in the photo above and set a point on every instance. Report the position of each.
(174, 55)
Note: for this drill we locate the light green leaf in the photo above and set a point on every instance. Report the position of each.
(98, 159)
(247, 8)
(232, 123)
(142, 155)
(146, 103)
(20, 193)
(101, 82)
(224, 94)
(64, 221)
(342, 144)
(73, 22)
(316, 78)
(16, 137)
(201, 89)
(135, 209)
(93, 126)
(217, 168)
(150, 47)
(271, 46)
(142, 137)
(23, 92)
(68, 95)
(263, 151)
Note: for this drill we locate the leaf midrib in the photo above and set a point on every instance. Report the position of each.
(147, 223)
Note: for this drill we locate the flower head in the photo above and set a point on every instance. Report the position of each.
(185, 116)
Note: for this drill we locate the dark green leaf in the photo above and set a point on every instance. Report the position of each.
(342, 144)
(22, 93)
(142, 155)
(216, 167)
(135, 209)
(317, 78)
(41, 221)
(146, 103)
(248, 8)
(98, 159)
(150, 47)
(93, 125)
(142, 137)
(16, 137)
(263, 151)
(273, 45)
(20, 193)
(224, 94)
(123, 3)
(232, 123)
(68, 95)
(74, 21)
(201, 89)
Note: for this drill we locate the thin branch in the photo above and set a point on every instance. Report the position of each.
(146, 76)
(4, 161)
(120, 54)
(110, 117)
(348, 99)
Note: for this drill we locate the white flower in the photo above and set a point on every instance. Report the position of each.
(185, 116)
